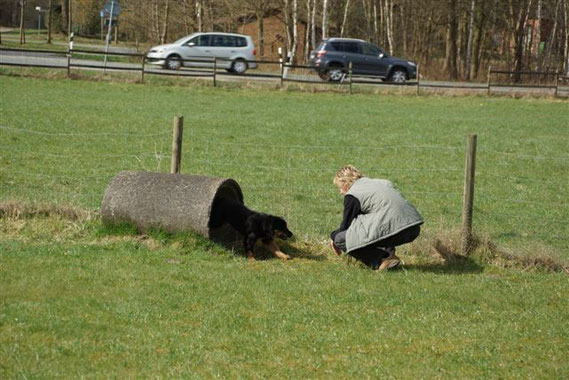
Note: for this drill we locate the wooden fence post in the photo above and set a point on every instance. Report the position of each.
(69, 64)
(556, 84)
(468, 198)
(418, 80)
(488, 78)
(177, 145)
(282, 71)
(350, 74)
(214, 71)
(142, 71)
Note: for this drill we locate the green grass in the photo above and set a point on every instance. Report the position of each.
(77, 299)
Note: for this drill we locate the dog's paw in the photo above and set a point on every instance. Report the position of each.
(282, 255)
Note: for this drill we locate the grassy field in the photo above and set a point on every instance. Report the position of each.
(77, 299)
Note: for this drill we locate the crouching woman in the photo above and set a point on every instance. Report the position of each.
(376, 220)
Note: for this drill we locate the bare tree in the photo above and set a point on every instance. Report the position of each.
(551, 40)
(22, 4)
(164, 35)
(325, 19)
(389, 24)
(566, 49)
(469, 43)
(345, 17)
(451, 44)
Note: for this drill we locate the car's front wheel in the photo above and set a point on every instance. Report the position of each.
(239, 66)
(173, 62)
(398, 76)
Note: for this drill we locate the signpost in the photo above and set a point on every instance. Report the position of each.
(112, 8)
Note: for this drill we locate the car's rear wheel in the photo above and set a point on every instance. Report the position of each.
(173, 62)
(398, 76)
(334, 73)
(239, 66)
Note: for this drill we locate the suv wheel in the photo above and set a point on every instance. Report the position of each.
(398, 76)
(335, 73)
(239, 66)
(173, 62)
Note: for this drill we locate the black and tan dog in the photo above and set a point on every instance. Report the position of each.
(251, 225)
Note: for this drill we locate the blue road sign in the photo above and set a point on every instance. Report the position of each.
(116, 7)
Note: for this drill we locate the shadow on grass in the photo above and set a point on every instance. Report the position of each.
(458, 265)
(288, 247)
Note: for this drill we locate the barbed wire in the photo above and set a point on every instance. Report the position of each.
(485, 174)
(34, 132)
(335, 169)
(520, 155)
(331, 147)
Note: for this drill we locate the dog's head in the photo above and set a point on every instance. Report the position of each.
(280, 228)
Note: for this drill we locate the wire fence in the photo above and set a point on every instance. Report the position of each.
(498, 81)
(295, 180)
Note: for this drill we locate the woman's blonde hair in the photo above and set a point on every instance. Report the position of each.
(346, 176)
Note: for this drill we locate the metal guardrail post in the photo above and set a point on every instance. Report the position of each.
(214, 71)
(69, 64)
(282, 72)
(142, 71)
(350, 74)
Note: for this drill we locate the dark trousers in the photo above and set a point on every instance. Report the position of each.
(373, 254)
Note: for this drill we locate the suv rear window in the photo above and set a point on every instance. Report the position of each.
(348, 47)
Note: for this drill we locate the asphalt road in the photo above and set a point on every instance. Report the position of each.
(59, 60)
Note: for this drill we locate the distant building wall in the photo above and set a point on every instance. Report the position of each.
(274, 36)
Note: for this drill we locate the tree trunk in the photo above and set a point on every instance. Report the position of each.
(404, 28)
(199, 15)
(22, 31)
(538, 30)
(519, 14)
(345, 17)
(451, 47)
(389, 24)
(307, 32)
(375, 29)
(294, 32)
(288, 29)
(49, 21)
(69, 20)
(261, 36)
(164, 36)
(469, 42)
(480, 38)
(313, 25)
(325, 19)
(566, 50)
(551, 38)
(65, 16)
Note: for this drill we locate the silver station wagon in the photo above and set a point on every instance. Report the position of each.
(237, 52)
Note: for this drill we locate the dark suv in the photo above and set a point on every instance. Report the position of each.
(332, 58)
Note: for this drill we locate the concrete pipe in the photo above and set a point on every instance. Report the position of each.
(172, 202)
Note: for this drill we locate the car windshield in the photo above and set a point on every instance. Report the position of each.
(179, 42)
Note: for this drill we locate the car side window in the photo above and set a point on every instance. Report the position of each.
(347, 47)
(368, 49)
(352, 47)
(241, 42)
(203, 40)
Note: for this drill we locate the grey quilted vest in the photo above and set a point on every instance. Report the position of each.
(384, 213)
